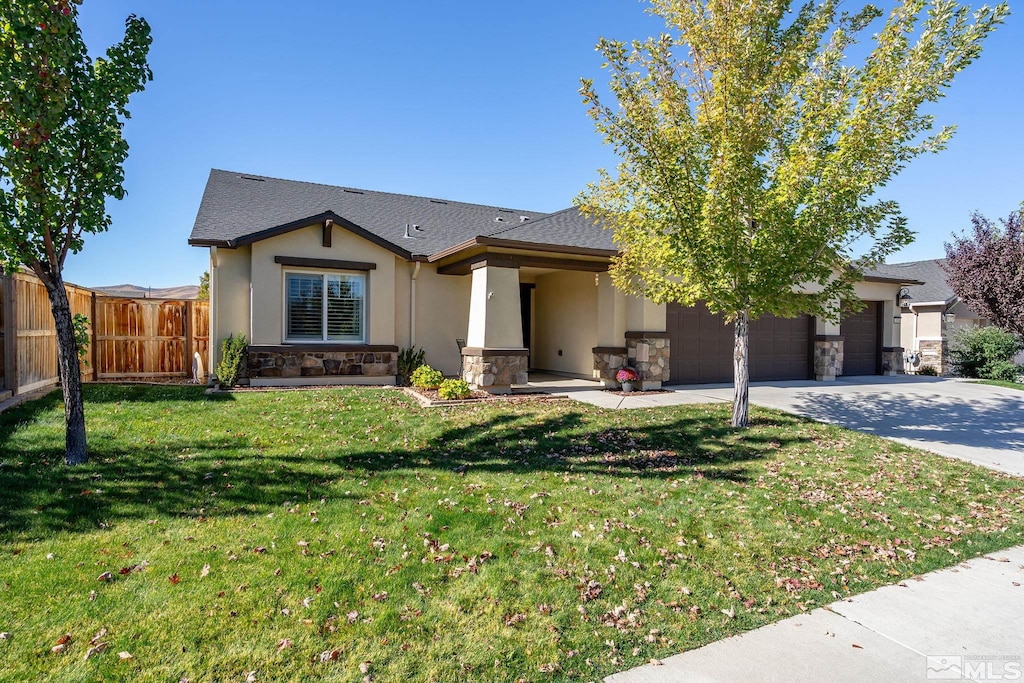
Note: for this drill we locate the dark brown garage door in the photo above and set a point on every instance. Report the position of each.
(702, 347)
(862, 342)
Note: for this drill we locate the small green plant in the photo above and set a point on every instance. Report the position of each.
(408, 360)
(928, 371)
(81, 324)
(426, 377)
(232, 355)
(453, 389)
(985, 353)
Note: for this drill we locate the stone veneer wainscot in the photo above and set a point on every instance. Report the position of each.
(285, 362)
(495, 370)
(648, 353)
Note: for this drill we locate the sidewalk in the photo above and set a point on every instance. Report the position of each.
(961, 623)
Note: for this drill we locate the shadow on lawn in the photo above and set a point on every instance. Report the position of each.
(221, 476)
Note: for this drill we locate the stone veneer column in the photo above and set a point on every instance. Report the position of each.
(494, 358)
(828, 357)
(648, 353)
(608, 360)
(892, 361)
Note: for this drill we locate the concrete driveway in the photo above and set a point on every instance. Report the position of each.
(967, 420)
(976, 422)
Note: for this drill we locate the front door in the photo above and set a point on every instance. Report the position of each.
(526, 307)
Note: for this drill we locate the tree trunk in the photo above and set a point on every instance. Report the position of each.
(741, 371)
(75, 451)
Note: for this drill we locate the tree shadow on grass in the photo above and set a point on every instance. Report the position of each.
(232, 475)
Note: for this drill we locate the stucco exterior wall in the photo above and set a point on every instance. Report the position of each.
(229, 284)
(565, 306)
(442, 316)
(268, 280)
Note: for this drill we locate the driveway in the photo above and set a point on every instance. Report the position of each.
(967, 420)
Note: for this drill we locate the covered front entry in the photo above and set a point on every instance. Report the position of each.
(862, 336)
(702, 344)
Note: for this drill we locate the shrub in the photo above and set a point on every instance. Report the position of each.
(408, 360)
(452, 389)
(984, 352)
(232, 355)
(80, 323)
(928, 371)
(426, 377)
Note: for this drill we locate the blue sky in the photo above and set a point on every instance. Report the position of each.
(473, 101)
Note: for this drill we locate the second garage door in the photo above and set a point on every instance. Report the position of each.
(701, 347)
(862, 343)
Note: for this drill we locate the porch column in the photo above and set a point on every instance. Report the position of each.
(494, 358)
(828, 350)
(647, 342)
(892, 351)
(610, 352)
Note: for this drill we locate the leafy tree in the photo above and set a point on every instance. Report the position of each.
(986, 269)
(61, 155)
(204, 287)
(752, 143)
(985, 353)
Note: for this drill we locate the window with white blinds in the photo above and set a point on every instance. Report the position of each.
(325, 307)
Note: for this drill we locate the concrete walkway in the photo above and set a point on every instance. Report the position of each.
(966, 622)
(976, 422)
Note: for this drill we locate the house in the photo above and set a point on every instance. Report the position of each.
(931, 315)
(329, 282)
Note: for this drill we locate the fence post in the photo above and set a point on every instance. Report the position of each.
(11, 335)
(188, 339)
(92, 345)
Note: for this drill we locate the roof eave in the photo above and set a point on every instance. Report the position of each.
(484, 241)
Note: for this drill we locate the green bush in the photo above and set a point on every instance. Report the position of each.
(408, 360)
(928, 371)
(426, 377)
(453, 389)
(985, 353)
(232, 355)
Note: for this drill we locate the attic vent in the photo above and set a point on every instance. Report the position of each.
(437, 201)
(411, 228)
(523, 219)
(506, 211)
(499, 219)
(354, 192)
(247, 177)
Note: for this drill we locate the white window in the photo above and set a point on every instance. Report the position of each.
(325, 307)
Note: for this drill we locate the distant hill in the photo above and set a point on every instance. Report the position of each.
(134, 291)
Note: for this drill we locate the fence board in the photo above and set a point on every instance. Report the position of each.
(145, 338)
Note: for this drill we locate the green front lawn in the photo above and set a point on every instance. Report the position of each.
(1002, 383)
(339, 534)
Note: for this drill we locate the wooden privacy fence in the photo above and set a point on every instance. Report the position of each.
(141, 338)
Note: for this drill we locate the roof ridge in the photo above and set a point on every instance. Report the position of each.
(243, 174)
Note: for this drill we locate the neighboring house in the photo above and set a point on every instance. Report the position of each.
(931, 315)
(329, 282)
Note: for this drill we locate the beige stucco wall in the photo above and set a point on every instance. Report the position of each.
(442, 316)
(565, 317)
(268, 280)
(495, 315)
(229, 291)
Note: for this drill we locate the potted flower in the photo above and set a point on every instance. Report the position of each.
(626, 377)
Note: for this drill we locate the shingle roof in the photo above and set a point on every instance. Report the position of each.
(567, 228)
(930, 272)
(238, 205)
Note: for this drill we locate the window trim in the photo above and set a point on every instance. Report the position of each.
(323, 274)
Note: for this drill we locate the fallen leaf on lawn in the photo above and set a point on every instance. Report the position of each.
(364, 667)
(95, 650)
(513, 619)
(92, 596)
(174, 578)
(260, 550)
(656, 662)
(251, 678)
(204, 572)
(5, 636)
(731, 612)
(57, 649)
(105, 576)
(64, 639)
(380, 597)
(352, 616)
(124, 656)
(549, 668)
(99, 634)
(284, 644)
(330, 655)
